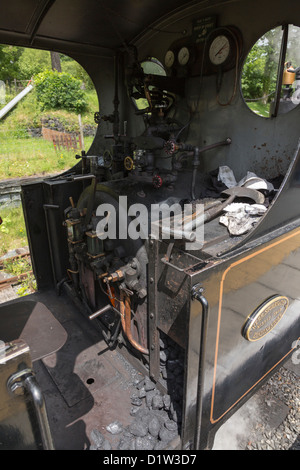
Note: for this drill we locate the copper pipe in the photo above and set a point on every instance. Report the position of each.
(125, 311)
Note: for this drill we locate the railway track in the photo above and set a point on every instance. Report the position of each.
(10, 189)
(7, 281)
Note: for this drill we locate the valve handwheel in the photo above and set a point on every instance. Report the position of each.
(170, 147)
(128, 163)
(157, 181)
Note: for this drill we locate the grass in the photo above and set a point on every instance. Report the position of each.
(260, 108)
(12, 230)
(24, 156)
(12, 235)
(27, 113)
(21, 266)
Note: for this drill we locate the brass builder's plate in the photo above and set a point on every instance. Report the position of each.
(265, 317)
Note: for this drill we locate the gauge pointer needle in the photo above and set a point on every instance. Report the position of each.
(220, 50)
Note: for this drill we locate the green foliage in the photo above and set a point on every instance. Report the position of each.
(16, 267)
(21, 157)
(59, 91)
(74, 68)
(253, 74)
(9, 62)
(32, 62)
(260, 69)
(12, 229)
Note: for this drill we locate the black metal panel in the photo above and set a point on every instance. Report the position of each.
(88, 22)
(32, 199)
(34, 323)
(235, 367)
(16, 15)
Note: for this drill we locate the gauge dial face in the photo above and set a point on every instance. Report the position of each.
(169, 59)
(219, 50)
(183, 56)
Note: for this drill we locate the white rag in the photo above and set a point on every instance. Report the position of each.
(241, 217)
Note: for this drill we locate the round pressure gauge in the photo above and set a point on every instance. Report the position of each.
(169, 59)
(224, 47)
(183, 56)
(219, 50)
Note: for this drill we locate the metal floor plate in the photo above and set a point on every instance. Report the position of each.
(86, 385)
(32, 322)
(80, 366)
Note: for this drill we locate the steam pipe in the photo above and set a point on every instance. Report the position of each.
(125, 311)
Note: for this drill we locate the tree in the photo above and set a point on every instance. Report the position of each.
(55, 61)
(9, 62)
(56, 90)
(32, 62)
(260, 69)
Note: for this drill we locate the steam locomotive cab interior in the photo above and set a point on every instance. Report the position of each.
(175, 131)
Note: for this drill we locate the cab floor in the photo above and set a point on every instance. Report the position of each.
(86, 385)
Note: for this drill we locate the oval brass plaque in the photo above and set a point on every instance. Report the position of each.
(265, 318)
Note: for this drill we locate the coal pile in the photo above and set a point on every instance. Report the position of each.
(157, 410)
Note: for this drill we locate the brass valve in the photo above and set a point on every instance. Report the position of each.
(128, 163)
(114, 277)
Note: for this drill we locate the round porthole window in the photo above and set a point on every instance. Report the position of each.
(270, 81)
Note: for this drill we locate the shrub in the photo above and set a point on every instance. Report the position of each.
(59, 91)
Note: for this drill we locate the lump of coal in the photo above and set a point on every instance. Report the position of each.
(154, 426)
(157, 402)
(138, 428)
(166, 435)
(135, 400)
(144, 443)
(100, 443)
(97, 438)
(149, 385)
(114, 428)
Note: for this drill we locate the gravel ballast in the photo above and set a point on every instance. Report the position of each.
(270, 420)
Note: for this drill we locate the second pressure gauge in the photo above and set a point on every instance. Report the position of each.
(183, 56)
